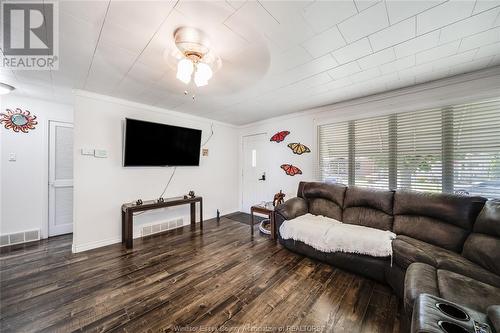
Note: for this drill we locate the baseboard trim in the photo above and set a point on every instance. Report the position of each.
(76, 248)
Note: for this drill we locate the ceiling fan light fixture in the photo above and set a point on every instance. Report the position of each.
(202, 75)
(195, 58)
(185, 69)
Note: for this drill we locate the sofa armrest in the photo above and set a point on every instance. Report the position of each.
(290, 209)
(420, 278)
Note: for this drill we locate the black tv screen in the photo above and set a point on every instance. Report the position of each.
(153, 144)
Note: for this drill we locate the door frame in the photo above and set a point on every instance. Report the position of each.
(242, 147)
(49, 176)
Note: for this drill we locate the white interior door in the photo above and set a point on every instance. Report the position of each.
(60, 178)
(254, 171)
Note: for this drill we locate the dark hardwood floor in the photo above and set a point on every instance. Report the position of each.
(186, 281)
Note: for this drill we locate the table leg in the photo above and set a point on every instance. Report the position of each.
(123, 226)
(129, 221)
(201, 214)
(251, 222)
(273, 226)
(193, 214)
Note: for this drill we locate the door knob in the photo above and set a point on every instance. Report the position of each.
(263, 177)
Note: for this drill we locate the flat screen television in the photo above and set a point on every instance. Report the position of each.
(153, 144)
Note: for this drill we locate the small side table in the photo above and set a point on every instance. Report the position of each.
(266, 210)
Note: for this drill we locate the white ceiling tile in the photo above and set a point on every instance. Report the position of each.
(284, 10)
(91, 11)
(431, 76)
(484, 51)
(365, 23)
(469, 26)
(400, 10)
(311, 68)
(398, 65)
(289, 33)
(365, 4)
(483, 38)
(205, 12)
(149, 15)
(327, 41)
(393, 35)
(251, 17)
(322, 15)
(453, 60)
(291, 58)
(471, 66)
(438, 52)
(353, 51)
(443, 14)
(146, 74)
(365, 75)
(376, 59)
(236, 4)
(344, 70)
(417, 44)
(482, 5)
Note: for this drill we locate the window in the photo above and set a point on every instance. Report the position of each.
(454, 149)
(371, 152)
(334, 153)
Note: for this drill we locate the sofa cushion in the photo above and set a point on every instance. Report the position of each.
(440, 219)
(483, 246)
(422, 278)
(488, 221)
(407, 250)
(325, 199)
(483, 250)
(467, 291)
(368, 207)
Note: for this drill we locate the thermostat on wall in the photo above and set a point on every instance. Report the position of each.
(101, 153)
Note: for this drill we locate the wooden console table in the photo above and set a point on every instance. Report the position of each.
(129, 209)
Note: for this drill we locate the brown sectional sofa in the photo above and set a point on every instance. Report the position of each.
(447, 245)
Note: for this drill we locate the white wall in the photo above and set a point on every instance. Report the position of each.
(24, 183)
(465, 88)
(101, 186)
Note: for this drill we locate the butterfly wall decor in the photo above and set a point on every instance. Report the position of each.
(299, 148)
(280, 136)
(291, 170)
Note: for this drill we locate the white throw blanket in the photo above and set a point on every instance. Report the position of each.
(329, 235)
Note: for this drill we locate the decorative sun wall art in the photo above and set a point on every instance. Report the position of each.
(18, 120)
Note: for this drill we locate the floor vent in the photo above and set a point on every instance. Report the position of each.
(162, 226)
(19, 237)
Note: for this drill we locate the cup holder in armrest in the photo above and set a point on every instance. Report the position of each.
(453, 311)
(450, 327)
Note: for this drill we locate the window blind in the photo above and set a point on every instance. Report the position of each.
(418, 151)
(371, 152)
(476, 149)
(334, 153)
(454, 149)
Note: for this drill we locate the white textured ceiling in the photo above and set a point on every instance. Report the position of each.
(278, 56)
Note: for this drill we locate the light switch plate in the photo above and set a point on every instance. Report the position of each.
(100, 153)
(12, 157)
(87, 151)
